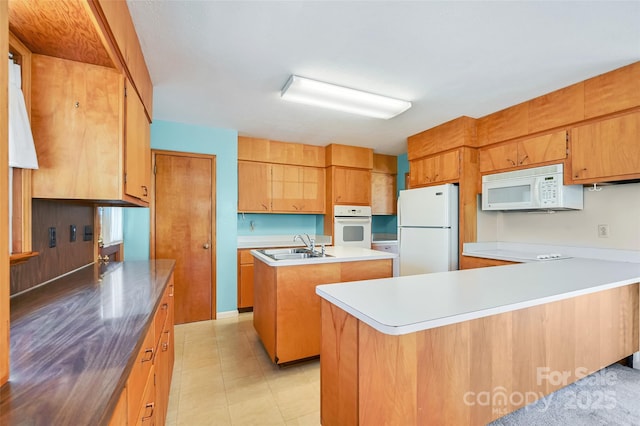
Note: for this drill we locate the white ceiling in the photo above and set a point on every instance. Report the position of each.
(222, 63)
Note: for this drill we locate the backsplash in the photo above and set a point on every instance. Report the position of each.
(279, 224)
(66, 255)
(617, 206)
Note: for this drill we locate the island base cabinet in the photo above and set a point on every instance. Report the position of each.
(439, 375)
(286, 311)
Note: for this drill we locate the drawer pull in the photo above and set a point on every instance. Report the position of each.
(150, 405)
(147, 352)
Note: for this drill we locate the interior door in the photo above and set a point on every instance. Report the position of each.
(184, 223)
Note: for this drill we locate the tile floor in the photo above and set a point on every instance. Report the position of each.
(223, 376)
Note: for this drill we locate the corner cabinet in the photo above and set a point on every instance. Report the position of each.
(606, 150)
(92, 142)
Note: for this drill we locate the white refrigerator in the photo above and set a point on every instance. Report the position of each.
(428, 229)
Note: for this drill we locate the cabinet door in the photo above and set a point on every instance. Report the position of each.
(77, 115)
(137, 159)
(498, 157)
(383, 193)
(245, 293)
(351, 186)
(606, 150)
(436, 169)
(254, 187)
(313, 190)
(543, 148)
(286, 188)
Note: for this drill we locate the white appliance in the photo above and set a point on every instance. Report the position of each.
(352, 226)
(537, 188)
(428, 229)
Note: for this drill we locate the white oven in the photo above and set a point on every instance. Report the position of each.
(352, 226)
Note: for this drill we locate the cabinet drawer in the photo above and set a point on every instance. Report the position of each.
(161, 316)
(389, 248)
(139, 375)
(147, 408)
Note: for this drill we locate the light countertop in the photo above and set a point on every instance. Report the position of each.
(525, 252)
(336, 254)
(408, 304)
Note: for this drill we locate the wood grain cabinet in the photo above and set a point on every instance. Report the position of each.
(245, 279)
(606, 150)
(524, 153)
(470, 262)
(280, 188)
(350, 186)
(86, 146)
(384, 184)
(435, 169)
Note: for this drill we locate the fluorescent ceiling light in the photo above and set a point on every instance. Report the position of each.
(313, 92)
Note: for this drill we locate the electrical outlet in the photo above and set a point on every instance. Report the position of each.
(52, 237)
(88, 233)
(603, 231)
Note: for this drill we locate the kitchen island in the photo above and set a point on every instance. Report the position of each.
(467, 347)
(75, 344)
(286, 311)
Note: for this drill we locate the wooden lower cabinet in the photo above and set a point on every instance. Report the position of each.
(146, 397)
(286, 312)
(606, 150)
(245, 279)
(428, 377)
(470, 262)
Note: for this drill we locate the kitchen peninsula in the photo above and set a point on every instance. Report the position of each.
(286, 311)
(420, 349)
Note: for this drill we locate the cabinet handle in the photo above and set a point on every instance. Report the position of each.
(580, 171)
(524, 159)
(263, 206)
(513, 163)
(295, 207)
(146, 407)
(145, 191)
(148, 352)
(164, 306)
(205, 246)
(171, 291)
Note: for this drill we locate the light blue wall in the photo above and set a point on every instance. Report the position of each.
(223, 143)
(279, 224)
(403, 167)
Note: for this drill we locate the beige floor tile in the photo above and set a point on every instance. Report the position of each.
(239, 370)
(311, 419)
(256, 411)
(200, 399)
(298, 400)
(245, 388)
(216, 416)
(201, 382)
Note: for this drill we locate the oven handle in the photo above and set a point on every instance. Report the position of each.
(350, 220)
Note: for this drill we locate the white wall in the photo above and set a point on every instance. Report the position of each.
(616, 205)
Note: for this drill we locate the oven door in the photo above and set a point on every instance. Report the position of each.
(352, 231)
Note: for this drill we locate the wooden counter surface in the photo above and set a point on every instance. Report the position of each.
(73, 342)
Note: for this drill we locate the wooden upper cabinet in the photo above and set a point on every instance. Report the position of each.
(350, 186)
(558, 108)
(119, 24)
(78, 127)
(383, 193)
(441, 168)
(506, 124)
(452, 134)
(349, 156)
(254, 187)
(269, 151)
(614, 91)
(524, 153)
(137, 166)
(385, 163)
(606, 150)
(297, 189)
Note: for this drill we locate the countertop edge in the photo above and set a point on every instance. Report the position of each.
(320, 260)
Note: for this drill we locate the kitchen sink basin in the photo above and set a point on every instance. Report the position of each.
(291, 253)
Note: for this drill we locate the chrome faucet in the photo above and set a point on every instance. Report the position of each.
(310, 243)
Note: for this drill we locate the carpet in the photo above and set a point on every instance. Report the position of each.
(610, 396)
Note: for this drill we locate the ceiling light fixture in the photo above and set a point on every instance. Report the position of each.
(313, 92)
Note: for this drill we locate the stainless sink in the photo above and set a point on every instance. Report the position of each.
(293, 253)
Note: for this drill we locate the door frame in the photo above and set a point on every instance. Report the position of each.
(152, 215)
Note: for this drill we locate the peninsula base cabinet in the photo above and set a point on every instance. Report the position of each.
(145, 399)
(432, 376)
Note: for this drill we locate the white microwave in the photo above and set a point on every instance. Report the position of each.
(538, 188)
